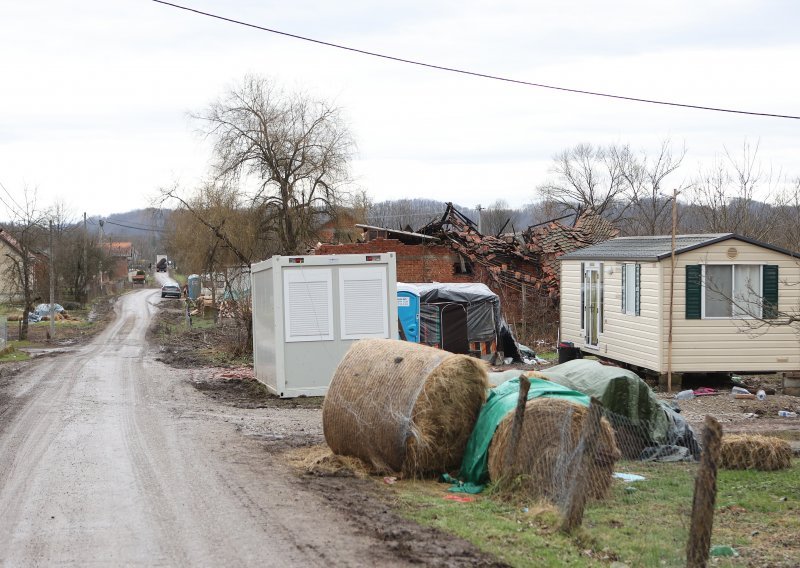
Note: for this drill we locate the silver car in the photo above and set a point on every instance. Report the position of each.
(171, 290)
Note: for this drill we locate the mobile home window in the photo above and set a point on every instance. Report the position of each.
(732, 290)
(631, 290)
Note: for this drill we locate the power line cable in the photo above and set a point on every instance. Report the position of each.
(150, 228)
(474, 73)
(18, 210)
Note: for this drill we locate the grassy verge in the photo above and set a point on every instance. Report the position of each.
(643, 523)
(12, 353)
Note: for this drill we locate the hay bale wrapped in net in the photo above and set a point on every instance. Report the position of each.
(403, 407)
(549, 450)
(746, 451)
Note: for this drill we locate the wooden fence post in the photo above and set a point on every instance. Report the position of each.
(579, 494)
(705, 494)
(516, 427)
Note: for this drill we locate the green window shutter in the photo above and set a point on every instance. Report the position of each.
(693, 291)
(638, 289)
(770, 284)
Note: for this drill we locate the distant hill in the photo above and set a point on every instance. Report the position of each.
(133, 224)
(143, 227)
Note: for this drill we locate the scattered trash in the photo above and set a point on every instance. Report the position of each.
(459, 498)
(685, 395)
(628, 476)
(761, 395)
(724, 551)
(508, 360)
(787, 414)
(390, 480)
(630, 489)
(739, 390)
(705, 391)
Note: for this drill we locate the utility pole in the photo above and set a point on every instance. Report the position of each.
(85, 297)
(100, 222)
(52, 287)
(480, 223)
(672, 287)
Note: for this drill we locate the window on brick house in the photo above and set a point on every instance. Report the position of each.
(463, 266)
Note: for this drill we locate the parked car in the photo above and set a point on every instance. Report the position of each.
(171, 290)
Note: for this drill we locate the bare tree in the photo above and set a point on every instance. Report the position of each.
(731, 195)
(212, 228)
(586, 176)
(645, 179)
(787, 213)
(295, 149)
(405, 214)
(500, 217)
(25, 237)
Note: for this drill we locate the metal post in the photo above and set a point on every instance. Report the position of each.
(52, 287)
(85, 297)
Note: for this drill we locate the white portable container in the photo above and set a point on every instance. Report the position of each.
(307, 310)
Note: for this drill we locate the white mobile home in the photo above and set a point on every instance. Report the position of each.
(729, 296)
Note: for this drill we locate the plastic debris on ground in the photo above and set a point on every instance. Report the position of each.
(459, 498)
(44, 309)
(628, 477)
(723, 551)
(705, 391)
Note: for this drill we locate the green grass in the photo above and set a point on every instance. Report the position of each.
(548, 355)
(644, 523)
(11, 352)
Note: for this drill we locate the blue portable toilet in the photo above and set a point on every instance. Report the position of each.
(408, 312)
(193, 286)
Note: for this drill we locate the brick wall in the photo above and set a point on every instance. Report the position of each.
(415, 263)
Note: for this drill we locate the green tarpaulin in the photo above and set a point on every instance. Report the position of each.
(502, 400)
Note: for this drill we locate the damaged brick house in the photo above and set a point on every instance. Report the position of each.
(521, 269)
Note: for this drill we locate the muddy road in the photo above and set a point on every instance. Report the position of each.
(108, 457)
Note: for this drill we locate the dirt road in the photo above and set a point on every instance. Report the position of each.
(108, 457)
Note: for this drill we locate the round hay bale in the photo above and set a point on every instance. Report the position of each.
(546, 454)
(403, 407)
(747, 451)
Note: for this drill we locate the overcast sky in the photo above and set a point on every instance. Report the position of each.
(95, 95)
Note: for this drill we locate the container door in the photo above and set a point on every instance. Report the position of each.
(592, 303)
(408, 315)
(454, 329)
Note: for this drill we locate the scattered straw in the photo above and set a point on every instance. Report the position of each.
(320, 461)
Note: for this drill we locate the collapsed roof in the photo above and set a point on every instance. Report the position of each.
(534, 260)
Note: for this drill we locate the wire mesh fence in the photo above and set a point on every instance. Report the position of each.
(584, 458)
